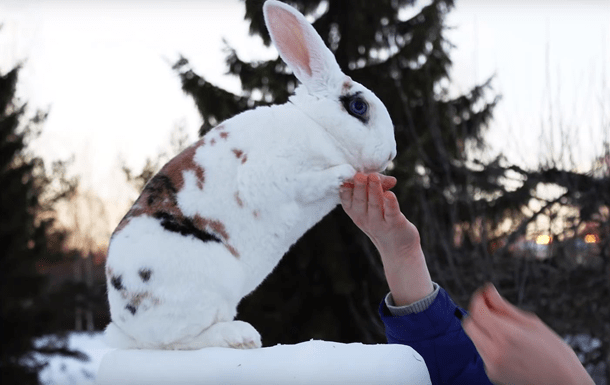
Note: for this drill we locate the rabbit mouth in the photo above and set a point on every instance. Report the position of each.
(373, 170)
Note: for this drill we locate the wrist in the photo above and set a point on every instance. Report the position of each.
(407, 275)
(401, 255)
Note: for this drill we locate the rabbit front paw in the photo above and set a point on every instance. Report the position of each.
(315, 185)
(342, 173)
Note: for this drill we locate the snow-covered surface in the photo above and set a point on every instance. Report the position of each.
(69, 371)
(312, 362)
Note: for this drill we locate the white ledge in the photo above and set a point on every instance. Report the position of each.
(312, 362)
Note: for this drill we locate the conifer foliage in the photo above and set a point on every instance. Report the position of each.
(330, 283)
(334, 269)
(26, 238)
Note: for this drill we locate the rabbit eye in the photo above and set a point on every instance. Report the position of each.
(358, 106)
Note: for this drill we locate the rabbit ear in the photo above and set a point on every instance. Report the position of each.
(301, 47)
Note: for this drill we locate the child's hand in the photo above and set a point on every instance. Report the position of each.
(387, 182)
(374, 209)
(377, 213)
(517, 347)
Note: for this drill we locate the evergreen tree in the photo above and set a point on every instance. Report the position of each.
(458, 202)
(26, 237)
(333, 268)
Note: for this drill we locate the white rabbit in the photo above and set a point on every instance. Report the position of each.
(217, 219)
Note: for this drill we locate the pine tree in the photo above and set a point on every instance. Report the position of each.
(333, 269)
(330, 283)
(26, 237)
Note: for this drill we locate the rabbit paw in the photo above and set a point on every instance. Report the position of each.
(313, 186)
(342, 173)
(234, 334)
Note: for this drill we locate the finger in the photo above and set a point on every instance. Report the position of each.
(359, 198)
(502, 307)
(480, 314)
(479, 337)
(375, 198)
(487, 348)
(391, 208)
(345, 194)
(387, 182)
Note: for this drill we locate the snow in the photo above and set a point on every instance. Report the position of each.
(319, 362)
(70, 371)
(312, 362)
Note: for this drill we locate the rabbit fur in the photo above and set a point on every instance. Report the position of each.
(217, 218)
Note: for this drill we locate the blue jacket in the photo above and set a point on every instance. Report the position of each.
(436, 334)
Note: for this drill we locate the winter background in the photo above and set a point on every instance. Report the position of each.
(563, 53)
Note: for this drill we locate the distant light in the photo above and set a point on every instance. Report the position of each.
(591, 238)
(543, 239)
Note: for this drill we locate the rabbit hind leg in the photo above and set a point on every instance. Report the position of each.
(229, 334)
(116, 338)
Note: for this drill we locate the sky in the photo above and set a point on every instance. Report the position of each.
(551, 64)
(103, 69)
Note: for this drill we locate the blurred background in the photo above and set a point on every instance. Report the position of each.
(502, 120)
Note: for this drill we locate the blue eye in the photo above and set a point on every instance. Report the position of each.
(358, 106)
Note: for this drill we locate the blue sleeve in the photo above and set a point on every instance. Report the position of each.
(437, 335)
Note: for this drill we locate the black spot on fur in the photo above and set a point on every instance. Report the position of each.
(160, 187)
(184, 226)
(117, 282)
(132, 309)
(145, 274)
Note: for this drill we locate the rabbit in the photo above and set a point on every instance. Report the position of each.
(216, 219)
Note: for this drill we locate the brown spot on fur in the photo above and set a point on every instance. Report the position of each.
(224, 135)
(220, 127)
(137, 299)
(182, 162)
(159, 194)
(158, 200)
(238, 153)
(347, 84)
(240, 203)
(256, 214)
(218, 228)
(212, 142)
(202, 223)
(232, 250)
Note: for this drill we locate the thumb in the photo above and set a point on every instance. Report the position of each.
(499, 305)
